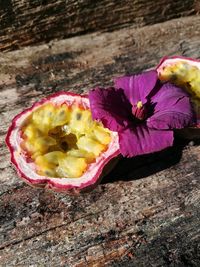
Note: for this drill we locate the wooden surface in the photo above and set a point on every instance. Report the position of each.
(31, 22)
(146, 211)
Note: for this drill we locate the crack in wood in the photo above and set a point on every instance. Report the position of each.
(25, 24)
(16, 242)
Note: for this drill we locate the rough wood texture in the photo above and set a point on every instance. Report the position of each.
(146, 212)
(29, 22)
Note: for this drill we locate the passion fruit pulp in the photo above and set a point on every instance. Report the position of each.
(57, 144)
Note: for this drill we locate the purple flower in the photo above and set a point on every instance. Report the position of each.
(143, 111)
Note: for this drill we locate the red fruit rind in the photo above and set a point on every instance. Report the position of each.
(26, 170)
(180, 79)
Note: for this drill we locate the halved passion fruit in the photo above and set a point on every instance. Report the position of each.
(56, 144)
(184, 72)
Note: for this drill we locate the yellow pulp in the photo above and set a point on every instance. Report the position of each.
(185, 75)
(62, 140)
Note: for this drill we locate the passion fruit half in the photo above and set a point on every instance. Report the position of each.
(56, 144)
(185, 73)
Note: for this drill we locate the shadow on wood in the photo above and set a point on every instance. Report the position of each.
(146, 165)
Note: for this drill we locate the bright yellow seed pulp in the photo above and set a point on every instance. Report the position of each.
(62, 140)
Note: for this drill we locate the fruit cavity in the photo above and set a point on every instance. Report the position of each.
(62, 140)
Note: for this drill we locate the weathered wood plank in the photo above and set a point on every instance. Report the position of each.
(80, 63)
(28, 22)
(116, 221)
(142, 216)
(84, 62)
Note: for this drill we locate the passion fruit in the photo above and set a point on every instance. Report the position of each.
(56, 144)
(185, 73)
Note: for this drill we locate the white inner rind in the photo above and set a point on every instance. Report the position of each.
(28, 169)
(174, 60)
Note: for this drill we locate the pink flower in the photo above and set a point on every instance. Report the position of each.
(143, 111)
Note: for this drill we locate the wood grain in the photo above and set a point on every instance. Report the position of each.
(146, 211)
(29, 22)
(152, 220)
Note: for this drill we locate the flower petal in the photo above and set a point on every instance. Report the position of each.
(137, 87)
(142, 140)
(111, 107)
(172, 108)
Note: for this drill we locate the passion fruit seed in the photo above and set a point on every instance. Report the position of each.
(183, 74)
(62, 141)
